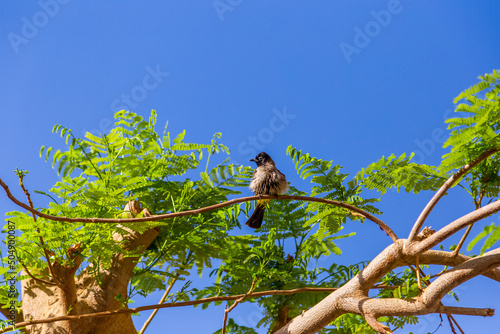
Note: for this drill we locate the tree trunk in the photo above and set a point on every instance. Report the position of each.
(82, 294)
(282, 319)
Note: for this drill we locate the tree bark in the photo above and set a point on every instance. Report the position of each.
(353, 296)
(83, 294)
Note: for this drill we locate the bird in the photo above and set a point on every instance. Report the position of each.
(266, 180)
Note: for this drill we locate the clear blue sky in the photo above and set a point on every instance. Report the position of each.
(347, 81)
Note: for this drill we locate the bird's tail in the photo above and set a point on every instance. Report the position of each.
(255, 220)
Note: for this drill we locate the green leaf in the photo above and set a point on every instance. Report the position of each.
(400, 172)
(493, 233)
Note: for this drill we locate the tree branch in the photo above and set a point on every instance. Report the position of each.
(353, 296)
(452, 320)
(448, 259)
(444, 188)
(349, 207)
(365, 214)
(180, 304)
(440, 309)
(45, 250)
(40, 280)
(453, 227)
(351, 302)
(482, 312)
(458, 275)
(462, 240)
(469, 228)
(162, 300)
(227, 310)
(167, 291)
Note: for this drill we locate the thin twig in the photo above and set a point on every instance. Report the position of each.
(242, 298)
(440, 324)
(42, 244)
(451, 324)
(438, 274)
(469, 228)
(349, 207)
(239, 300)
(419, 273)
(41, 280)
(462, 240)
(444, 188)
(224, 320)
(419, 281)
(162, 300)
(456, 324)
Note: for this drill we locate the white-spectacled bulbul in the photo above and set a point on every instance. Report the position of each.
(266, 180)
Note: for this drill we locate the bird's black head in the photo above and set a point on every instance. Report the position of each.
(262, 158)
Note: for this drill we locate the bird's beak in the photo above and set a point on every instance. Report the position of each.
(253, 160)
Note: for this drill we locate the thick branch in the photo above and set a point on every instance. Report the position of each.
(365, 214)
(482, 312)
(350, 302)
(122, 265)
(448, 259)
(469, 228)
(453, 227)
(179, 304)
(353, 296)
(348, 297)
(407, 307)
(458, 275)
(387, 302)
(444, 188)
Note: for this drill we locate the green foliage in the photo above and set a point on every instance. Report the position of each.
(234, 328)
(99, 174)
(349, 324)
(471, 136)
(285, 256)
(294, 247)
(406, 283)
(492, 235)
(399, 172)
(483, 182)
(329, 183)
(297, 235)
(477, 130)
(399, 322)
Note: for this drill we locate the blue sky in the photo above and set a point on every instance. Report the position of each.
(344, 81)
